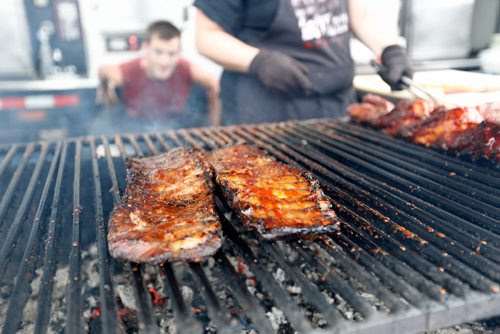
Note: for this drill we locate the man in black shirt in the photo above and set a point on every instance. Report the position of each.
(290, 59)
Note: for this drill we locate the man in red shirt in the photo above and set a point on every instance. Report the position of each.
(156, 86)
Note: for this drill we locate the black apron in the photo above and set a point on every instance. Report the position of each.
(324, 51)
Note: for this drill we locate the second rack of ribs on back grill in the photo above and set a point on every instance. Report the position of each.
(167, 212)
(270, 197)
(474, 131)
(370, 109)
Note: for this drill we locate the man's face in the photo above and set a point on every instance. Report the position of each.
(162, 56)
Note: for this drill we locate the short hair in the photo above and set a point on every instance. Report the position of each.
(163, 29)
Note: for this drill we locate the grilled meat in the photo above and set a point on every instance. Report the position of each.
(405, 114)
(167, 211)
(371, 108)
(482, 141)
(440, 128)
(270, 197)
(472, 130)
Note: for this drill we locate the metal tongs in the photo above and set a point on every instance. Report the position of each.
(411, 87)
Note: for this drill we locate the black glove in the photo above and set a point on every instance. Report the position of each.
(280, 72)
(395, 65)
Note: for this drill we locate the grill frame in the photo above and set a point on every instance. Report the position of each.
(347, 160)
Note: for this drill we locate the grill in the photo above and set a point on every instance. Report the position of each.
(418, 248)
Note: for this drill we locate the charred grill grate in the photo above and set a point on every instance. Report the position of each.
(419, 247)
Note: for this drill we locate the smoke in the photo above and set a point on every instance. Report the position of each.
(116, 119)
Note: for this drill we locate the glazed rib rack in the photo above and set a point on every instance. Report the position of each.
(418, 247)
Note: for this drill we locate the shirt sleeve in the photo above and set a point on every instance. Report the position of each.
(227, 13)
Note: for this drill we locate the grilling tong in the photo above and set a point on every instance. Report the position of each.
(411, 87)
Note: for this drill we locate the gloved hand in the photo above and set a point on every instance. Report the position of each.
(396, 64)
(280, 72)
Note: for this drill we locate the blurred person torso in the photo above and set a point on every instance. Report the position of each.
(315, 32)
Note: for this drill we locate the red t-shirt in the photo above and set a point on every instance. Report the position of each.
(153, 98)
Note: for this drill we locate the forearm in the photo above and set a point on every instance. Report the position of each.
(375, 23)
(214, 108)
(219, 46)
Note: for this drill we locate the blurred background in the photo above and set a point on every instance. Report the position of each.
(52, 49)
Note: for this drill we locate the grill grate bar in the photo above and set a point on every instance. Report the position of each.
(403, 289)
(74, 276)
(475, 167)
(237, 286)
(239, 289)
(162, 142)
(123, 154)
(268, 283)
(452, 190)
(20, 293)
(418, 247)
(408, 187)
(115, 190)
(182, 312)
(466, 256)
(399, 261)
(457, 233)
(216, 312)
(409, 198)
(390, 268)
(138, 150)
(473, 188)
(151, 146)
(464, 238)
(9, 243)
(220, 137)
(343, 289)
(7, 158)
(189, 139)
(9, 192)
(44, 305)
(310, 292)
(146, 321)
(173, 135)
(439, 159)
(348, 265)
(106, 287)
(464, 272)
(210, 141)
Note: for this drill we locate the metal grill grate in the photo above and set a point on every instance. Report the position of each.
(419, 247)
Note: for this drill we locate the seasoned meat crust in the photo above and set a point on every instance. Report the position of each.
(167, 212)
(472, 131)
(270, 197)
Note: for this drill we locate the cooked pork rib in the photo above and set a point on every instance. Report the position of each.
(405, 114)
(270, 197)
(167, 212)
(473, 130)
(440, 128)
(371, 108)
(480, 141)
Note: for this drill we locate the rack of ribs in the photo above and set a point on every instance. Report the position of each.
(405, 114)
(270, 197)
(474, 131)
(482, 141)
(370, 109)
(167, 212)
(443, 126)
